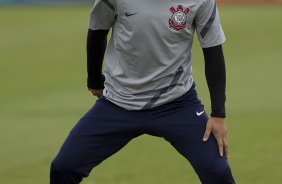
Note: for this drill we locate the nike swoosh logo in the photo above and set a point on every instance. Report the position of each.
(129, 14)
(200, 113)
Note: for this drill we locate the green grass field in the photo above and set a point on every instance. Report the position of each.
(43, 94)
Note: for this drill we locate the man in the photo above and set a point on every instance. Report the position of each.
(148, 87)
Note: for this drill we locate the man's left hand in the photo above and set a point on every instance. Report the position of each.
(217, 127)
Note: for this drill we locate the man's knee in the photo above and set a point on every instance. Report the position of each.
(64, 172)
(58, 167)
(219, 174)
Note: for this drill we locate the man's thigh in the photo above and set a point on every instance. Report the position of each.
(183, 124)
(100, 133)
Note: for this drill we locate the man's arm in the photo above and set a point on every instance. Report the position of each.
(96, 46)
(216, 79)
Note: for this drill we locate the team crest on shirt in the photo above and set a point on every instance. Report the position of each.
(178, 19)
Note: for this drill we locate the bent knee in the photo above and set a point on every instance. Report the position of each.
(63, 172)
(218, 174)
(222, 174)
(62, 167)
(58, 166)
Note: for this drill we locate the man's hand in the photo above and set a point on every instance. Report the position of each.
(217, 127)
(97, 93)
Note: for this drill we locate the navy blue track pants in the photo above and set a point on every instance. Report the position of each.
(106, 128)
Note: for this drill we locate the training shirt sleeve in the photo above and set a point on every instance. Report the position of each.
(208, 25)
(103, 15)
(216, 79)
(96, 46)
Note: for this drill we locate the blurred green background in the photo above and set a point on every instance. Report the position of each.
(43, 94)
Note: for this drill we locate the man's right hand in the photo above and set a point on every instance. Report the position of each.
(98, 93)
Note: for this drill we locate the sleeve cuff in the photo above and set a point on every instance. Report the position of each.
(218, 115)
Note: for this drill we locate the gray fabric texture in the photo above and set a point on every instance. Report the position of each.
(149, 57)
